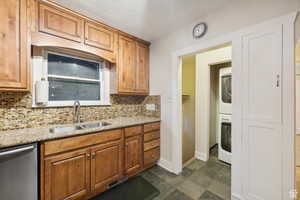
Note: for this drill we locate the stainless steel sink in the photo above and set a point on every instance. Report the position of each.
(64, 129)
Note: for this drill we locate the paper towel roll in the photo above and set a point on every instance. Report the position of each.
(41, 92)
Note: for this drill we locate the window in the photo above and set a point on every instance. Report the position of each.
(72, 78)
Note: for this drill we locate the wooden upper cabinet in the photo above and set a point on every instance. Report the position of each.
(99, 36)
(60, 23)
(142, 68)
(133, 155)
(106, 165)
(67, 176)
(127, 65)
(14, 69)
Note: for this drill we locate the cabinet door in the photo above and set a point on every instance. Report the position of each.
(142, 69)
(60, 23)
(67, 176)
(133, 155)
(106, 165)
(263, 133)
(13, 48)
(99, 36)
(126, 65)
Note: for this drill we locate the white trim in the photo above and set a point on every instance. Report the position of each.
(166, 165)
(201, 156)
(236, 197)
(189, 161)
(176, 93)
(39, 72)
(175, 99)
(74, 78)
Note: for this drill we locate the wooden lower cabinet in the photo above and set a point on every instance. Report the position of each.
(67, 176)
(78, 168)
(133, 155)
(106, 165)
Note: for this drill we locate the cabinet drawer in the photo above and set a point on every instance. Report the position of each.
(151, 145)
(132, 131)
(151, 136)
(152, 127)
(60, 23)
(67, 144)
(151, 156)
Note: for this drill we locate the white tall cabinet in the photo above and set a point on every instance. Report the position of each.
(262, 66)
(267, 111)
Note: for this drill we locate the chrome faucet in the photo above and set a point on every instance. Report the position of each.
(76, 111)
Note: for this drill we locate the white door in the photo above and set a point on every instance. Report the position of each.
(262, 113)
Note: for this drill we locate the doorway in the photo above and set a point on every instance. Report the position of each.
(255, 123)
(188, 108)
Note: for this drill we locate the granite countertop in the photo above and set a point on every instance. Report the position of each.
(31, 135)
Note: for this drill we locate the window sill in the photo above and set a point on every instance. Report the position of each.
(70, 104)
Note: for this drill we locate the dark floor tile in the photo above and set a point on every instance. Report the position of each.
(152, 178)
(164, 187)
(191, 189)
(201, 179)
(207, 195)
(186, 172)
(172, 179)
(177, 195)
(195, 165)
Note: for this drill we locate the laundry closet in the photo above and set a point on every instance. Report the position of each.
(220, 110)
(206, 105)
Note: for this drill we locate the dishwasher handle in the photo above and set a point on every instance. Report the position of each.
(16, 151)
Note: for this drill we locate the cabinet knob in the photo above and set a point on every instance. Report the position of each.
(88, 156)
(93, 155)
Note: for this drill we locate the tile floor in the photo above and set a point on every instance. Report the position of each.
(199, 181)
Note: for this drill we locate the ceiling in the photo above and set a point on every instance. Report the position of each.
(147, 19)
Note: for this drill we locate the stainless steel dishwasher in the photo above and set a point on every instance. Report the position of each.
(18, 173)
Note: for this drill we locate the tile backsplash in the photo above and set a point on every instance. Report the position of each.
(16, 111)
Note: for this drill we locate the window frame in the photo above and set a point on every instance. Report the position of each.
(42, 72)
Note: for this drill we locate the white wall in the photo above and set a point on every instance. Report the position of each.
(229, 19)
(297, 55)
(203, 97)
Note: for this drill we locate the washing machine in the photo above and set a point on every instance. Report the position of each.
(225, 75)
(224, 149)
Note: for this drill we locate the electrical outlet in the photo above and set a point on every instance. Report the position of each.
(150, 107)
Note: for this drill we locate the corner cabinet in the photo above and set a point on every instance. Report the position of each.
(126, 65)
(133, 66)
(14, 50)
(142, 68)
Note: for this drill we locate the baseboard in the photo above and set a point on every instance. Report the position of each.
(201, 156)
(188, 162)
(236, 197)
(165, 164)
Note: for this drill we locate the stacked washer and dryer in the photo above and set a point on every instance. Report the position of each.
(225, 114)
